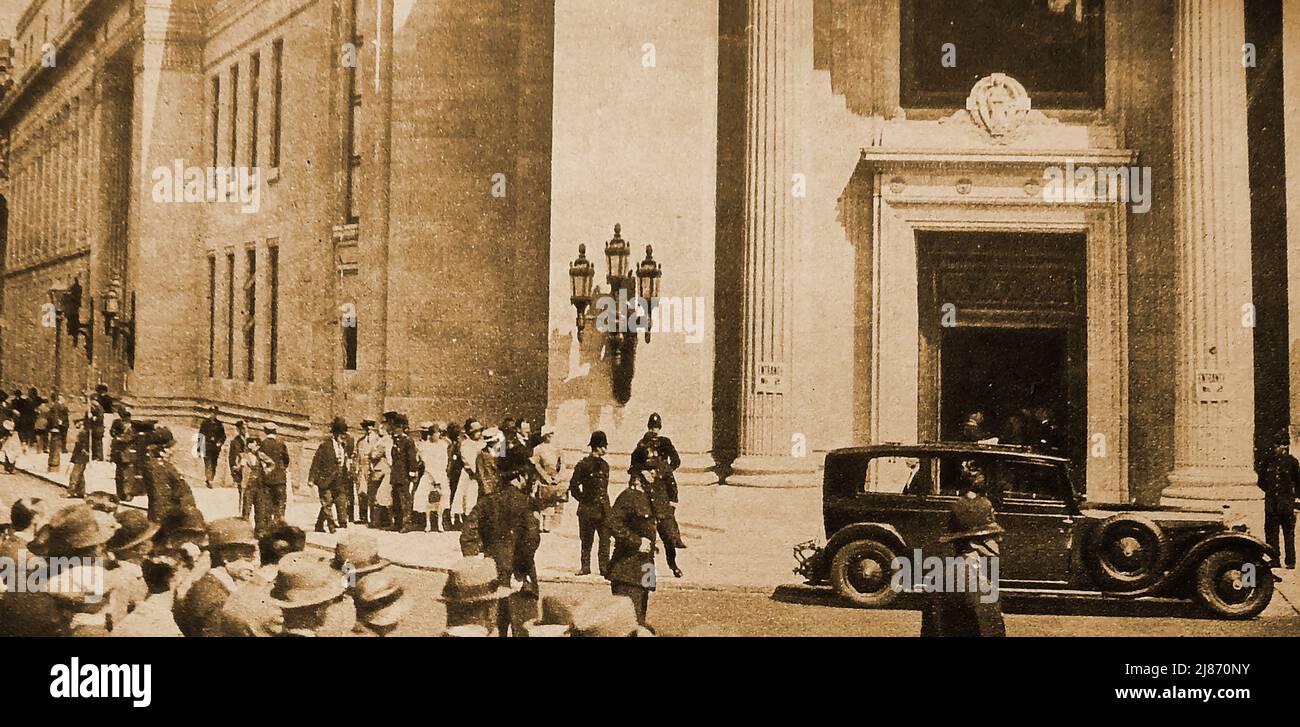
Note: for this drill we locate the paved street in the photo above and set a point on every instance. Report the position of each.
(787, 608)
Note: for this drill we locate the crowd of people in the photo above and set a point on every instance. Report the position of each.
(167, 571)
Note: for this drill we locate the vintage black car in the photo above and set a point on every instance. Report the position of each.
(885, 501)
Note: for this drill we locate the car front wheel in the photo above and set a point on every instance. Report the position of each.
(1233, 584)
(862, 572)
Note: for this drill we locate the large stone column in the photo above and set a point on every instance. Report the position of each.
(780, 40)
(1214, 396)
(1291, 128)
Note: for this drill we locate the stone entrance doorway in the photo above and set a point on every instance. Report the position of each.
(1006, 343)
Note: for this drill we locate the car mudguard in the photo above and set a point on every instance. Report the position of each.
(883, 533)
(1185, 564)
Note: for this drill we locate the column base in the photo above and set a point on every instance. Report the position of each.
(776, 472)
(1230, 491)
(697, 470)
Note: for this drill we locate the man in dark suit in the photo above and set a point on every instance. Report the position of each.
(1279, 478)
(57, 418)
(330, 474)
(405, 470)
(275, 476)
(632, 525)
(167, 491)
(239, 445)
(657, 458)
(120, 437)
(502, 527)
(95, 425)
(212, 438)
(589, 485)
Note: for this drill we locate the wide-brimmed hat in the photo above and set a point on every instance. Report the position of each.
(305, 579)
(358, 552)
(473, 580)
(134, 528)
(74, 527)
(338, 426)
(231, 531)
(598, 439)
(605, 615)
(390, 417)
(380, 602)
(426, 426)
(367, 423)
(270, 428)
(971, 517)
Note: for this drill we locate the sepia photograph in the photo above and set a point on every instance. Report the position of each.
(753, 319)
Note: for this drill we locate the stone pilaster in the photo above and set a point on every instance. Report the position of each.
(1291, 128)
(1214, 396)
(780, 46)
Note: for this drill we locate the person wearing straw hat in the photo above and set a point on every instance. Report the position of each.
(312, 597)
(331, 475)
(130, 545)
(474, 597)
(973, 532)
(548, 464)
(357, 555)
(429, 493)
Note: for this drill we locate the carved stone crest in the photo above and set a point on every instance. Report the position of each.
(998, 104)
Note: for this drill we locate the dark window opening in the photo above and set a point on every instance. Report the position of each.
(277, 82)
(254, 91)
(250, 318)
(273, 272)
(234, 114)
(212, 315)
(230, 315)
(1055, 49)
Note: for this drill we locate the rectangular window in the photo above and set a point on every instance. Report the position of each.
(254, 90)
(250, 318)
(216, 120)
(277, 82)
(352, 149)
(230, 315)
(273, 273)
(212, 315)
(1056, 50)
(234, 114)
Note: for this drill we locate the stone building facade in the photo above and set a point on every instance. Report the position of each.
(867, 232)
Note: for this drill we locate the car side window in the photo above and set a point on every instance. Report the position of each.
(1029, 480)
(898, 475)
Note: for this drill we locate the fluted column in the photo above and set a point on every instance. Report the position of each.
(1291, 127)
(1213, 456)
(780, 37)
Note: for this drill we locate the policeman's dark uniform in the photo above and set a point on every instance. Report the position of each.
(1279, 478)
(631, 572)
(589, 485)
(656, 456)
(972, 530)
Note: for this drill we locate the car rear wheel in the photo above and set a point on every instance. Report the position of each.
(1234, 584)
(1127, 553)
(861, 572)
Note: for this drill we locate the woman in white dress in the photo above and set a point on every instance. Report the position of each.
(432, 449)
(467, 489)
(552, 490)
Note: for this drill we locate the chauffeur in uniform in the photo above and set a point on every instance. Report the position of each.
(656, 456)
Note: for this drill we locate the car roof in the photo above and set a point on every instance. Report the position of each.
(922, 449)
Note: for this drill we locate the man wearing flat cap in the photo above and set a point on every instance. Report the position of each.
(331, 475)
(275, 473)
(1279, 478)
